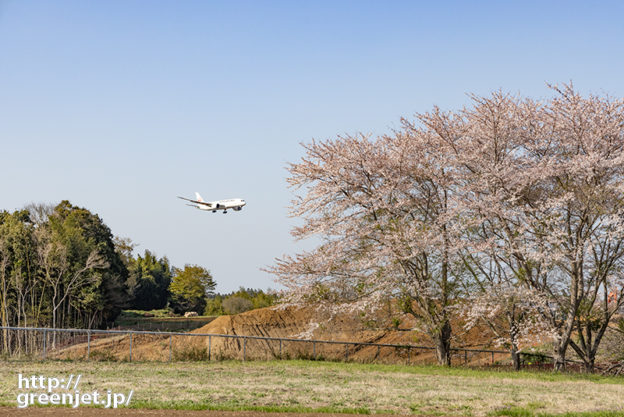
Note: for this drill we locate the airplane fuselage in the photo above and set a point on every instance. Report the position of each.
(232, 203)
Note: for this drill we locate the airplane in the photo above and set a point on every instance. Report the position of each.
(233, 203)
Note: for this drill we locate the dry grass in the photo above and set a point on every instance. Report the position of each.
(307, 385)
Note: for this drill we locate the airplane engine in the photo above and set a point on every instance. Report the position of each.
(238, 208)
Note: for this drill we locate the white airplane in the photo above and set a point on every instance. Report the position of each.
(233, 203)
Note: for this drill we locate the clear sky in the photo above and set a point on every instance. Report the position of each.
(120, 106)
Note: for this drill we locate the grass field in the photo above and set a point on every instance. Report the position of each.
(160, 321)
(335, 387)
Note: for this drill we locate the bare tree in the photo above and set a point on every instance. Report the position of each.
(4, 296)
(63, 279)
(39, 212)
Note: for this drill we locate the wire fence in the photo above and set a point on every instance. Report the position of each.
(135, 345)
(177, 324)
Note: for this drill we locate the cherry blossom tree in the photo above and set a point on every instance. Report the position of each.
(384, 210)
(491, 168)
(513, 315)
(497, 298)
(580, 211)
(545, 186)
(532, 189)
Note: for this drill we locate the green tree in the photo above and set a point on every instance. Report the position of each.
(149, 280)
(190, 287)
(238, 301)
(18, 278)
(86, 276)
(124, 248)
(214, 306)
(258, 298)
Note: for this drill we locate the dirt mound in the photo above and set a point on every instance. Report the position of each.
(302, 324)
(293, 323)
(269, 322)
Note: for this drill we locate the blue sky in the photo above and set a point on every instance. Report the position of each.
(120, 106)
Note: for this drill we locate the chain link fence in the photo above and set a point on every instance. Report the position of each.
(134, 345)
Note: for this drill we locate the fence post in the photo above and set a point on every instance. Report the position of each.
(244, 348)
(465, 357)
(379, 351)
(409, 355)
(45, 334)
(170, 346)
(280, 348)
(209, 346)
(346, 352)
(492, 358)
(130, 346)
(88, 344)
(314, 350)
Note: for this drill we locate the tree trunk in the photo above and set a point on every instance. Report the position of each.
(443, 344)
(564, 339)
(586, 353)
(513, 336)
(515, 357)
(559, 357)
(4, 313)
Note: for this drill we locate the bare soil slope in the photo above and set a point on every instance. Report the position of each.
(297, 323)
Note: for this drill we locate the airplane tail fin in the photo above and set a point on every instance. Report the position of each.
(198, 197)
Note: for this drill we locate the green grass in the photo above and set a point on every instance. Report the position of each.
(162, 320)
(314, 386)
(528, 412)
(162, 313)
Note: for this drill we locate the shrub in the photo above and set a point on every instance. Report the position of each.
(236, 305)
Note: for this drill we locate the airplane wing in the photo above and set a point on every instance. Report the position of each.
(203, 203)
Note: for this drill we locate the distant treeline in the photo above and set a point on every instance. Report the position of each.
(60, 266)
(244, 299)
